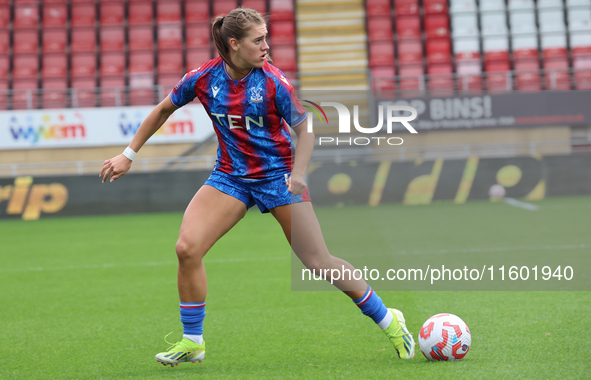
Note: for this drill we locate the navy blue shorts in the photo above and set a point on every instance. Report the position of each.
(266, 193)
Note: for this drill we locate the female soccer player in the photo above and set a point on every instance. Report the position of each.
(251, 104)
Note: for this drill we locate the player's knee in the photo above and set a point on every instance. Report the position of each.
(186, 250)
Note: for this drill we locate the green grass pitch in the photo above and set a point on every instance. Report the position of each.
(93, 298)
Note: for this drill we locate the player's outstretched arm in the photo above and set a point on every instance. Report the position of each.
(119, 165)
(304, 148)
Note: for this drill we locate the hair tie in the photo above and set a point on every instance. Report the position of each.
(222, 20)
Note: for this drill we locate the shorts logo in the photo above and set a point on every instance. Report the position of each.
(255, 95)
(215, 90)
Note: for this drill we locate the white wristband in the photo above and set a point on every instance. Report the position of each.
(129, 153)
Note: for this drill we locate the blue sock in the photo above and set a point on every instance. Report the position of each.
(371, 305)
(192, 315)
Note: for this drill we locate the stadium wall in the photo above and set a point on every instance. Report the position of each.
(412, 183)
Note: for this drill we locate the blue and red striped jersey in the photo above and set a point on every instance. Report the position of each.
(250, 116)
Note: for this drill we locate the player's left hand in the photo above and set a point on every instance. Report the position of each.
(296, 184)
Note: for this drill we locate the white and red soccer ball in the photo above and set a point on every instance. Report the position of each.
(445, 337)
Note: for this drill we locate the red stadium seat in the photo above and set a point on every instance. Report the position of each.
(112, 92)
(437, 26)
(170, 62)
(284, 57)
(83, 14)
(438, 50)
(378, 7)
(498, 76)
(4, 41)
(83, 92)
(140, 13)
(167, 81)
(25, 94)
(197, 35)
(258, 5)
(54, 65)
(170, 36)
(406, 7)
(379, 28)
(4, 94)
(112, 14)
(4, 65)
(469, 76)
(381, 53)
(141, 62)
(527, 76)
(54, 93)
(83, 65)
(279, 10)
(25, 66)
(112, 64)
(435, 7)
(82, 1)
(196, 58)
(54, 40)
(283, 32)
(410, 52)
(383, 81)
(141, 38)
(441, 81)
(83, 39)
(408, 27)
(26, 16)
(196, 11)
(4, 16)
(112, 39)
(141, 92)
(582, 69)
(411, 80)
(557, 73)
(55, 15)
(25, 41)
(525, 54)
(496, 48)
(168, 11)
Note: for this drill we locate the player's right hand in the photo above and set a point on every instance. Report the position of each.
(115, 167)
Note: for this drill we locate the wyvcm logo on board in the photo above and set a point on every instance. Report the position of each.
(180, 124)
(35, 131)
(392, 116)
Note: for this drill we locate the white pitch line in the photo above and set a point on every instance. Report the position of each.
(526, 206)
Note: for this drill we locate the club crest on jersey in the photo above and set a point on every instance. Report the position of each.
(255, 95)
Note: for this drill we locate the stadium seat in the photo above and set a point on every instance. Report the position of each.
(83, 65)
(469, 77)
(283, 32)
(557, 73)
(54, 65)
(4, 94)
(25, 94)
(284, 57)
(521, 5)
(112, 64)
(580, 44)
(466, 49)
(4, 66)
(523, 22)
(141, 38)
(170, 36)
(379, 28)
(279, 10)
(83, 40)
(383, 81)
(4, 16)
(83, 14)
(464, 25)
(168, 11)
(26, 16)
(197, 35)
(554, 45)
(381, 53)
(410, 52)
(55, 15)
(433, 7)
(25, 41)
(54, 94)
(258, 5)
(412, 82)
(438, 50)
(25, 66)
(462, 6)
(112, 91)
(551, 20)
(582, 71)
(196, 58)
(492, 6)
(167, 83)
(441, 81)
(141, 62)
(83, 92)
(579, 19)
(140, 13)
(54, 40)
(406, 7)
(112, 14)
(578, 3)
(112, 39)
(527, 76)
(498, 76)
(525, 47)
(141, 92)
(406, 27)
(223, 7)
(437, 26)
(550, 4)
(495, 48)
(378, 7)
(170, 62)
(493, 24)
(4, 41)
(196, 11)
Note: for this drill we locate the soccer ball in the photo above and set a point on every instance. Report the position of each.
(496, 191)
(445, 337)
